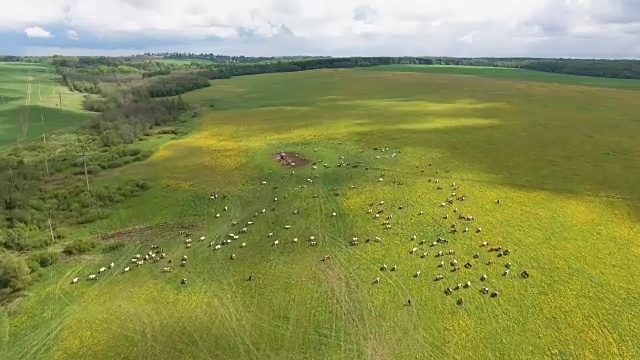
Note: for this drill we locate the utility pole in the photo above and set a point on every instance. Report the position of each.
(46, 162)
(53, 238)
(86, 175)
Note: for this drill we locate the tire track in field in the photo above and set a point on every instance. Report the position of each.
(228, 314)
(37, 342)
(340, 286)
(245, 333)
(322, 222)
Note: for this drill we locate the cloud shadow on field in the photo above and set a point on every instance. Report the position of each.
(54, 120)
(528, 155)
(7, 99)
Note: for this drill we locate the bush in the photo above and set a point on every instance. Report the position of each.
(45, 258)
(113, 246)
(23, 238)
(80, 246)
(61, 233)
(14, 273)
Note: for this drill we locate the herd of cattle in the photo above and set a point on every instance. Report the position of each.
(377, 211)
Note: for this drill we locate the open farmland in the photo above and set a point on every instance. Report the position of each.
(562, 160)
(514, 74)
(30, 103)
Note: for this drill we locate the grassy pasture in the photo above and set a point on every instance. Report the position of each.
(26, 112)
(563, 160)
(514, 74)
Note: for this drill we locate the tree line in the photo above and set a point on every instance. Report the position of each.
(623, 69)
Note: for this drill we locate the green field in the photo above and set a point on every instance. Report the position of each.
(514, 74)
(30, 103)
(562, 159)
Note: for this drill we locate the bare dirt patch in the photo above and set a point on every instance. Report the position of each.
(291, 158)
(144, 232)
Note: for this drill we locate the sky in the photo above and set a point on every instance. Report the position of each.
(536, 28)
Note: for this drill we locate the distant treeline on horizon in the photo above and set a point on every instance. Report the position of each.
(622, 69)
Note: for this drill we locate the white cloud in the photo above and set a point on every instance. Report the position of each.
(72, 34)
(37, 32)
(437, 26)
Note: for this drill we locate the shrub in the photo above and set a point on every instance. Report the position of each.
(113, 246)
(61, 233)
(79, 246)
(45, 258)
(14, 273)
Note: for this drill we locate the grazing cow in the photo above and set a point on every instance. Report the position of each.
(508, 264)
(447, 291)
(494, 294)
(183, 281)
(418, 273)
(506, 272)
(111, 265)
(484, 290)
(102, 269)
(167, 269)
(383, 267)
(524, 274)
(326, 257)
(413, 250)
(377, 280)
(313, 243)
(276, 242)
(467, 284)
(460, 301)
(243, 245)
(483, 277)
(439, 277)
(75, 280)
(468, 265)
(126, 269)
(394, 268)
(476, 255)
(233, 256)
(93, 277)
